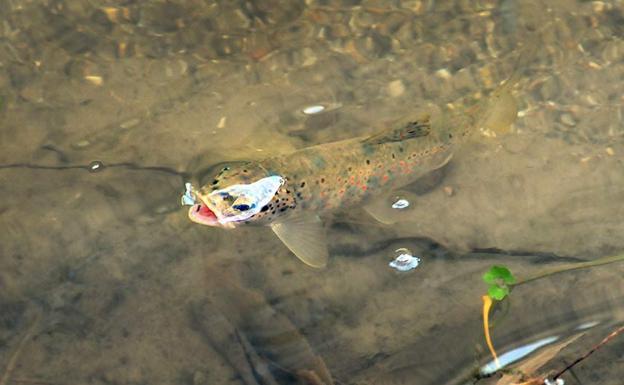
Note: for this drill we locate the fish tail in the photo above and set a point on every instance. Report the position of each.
(497, 112)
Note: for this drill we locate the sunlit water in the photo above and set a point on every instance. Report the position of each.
(106, 110)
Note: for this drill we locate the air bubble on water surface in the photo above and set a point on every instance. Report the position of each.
(405, 261)
(400, 204)
(96, 166)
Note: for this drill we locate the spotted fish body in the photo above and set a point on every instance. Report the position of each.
(323, 178)
(343, 174)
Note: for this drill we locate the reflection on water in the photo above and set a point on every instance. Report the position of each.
(516, 354)
(103, 279)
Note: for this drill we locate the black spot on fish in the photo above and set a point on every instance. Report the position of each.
(283, 209)
(287, 191)
(244, 170)
(302, 184)
(215, 181)
(393, 156)
(450, 136)
(264, 208)
(367, 161)
(400, 149)
(350, 169)
(322, 180)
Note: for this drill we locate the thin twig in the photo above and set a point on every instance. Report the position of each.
(602, 343)
(32, 382)
(123, 165)
(8, 371)
(569, 267)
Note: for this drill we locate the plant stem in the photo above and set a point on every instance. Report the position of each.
(8, 371)
(487, 304)
(569, 267)
(608, 338)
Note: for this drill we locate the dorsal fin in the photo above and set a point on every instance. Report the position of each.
(406, 129)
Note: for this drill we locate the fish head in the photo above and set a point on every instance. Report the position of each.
(233, 194)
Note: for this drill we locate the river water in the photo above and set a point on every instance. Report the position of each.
(107, 108)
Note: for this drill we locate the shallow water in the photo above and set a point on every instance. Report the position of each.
(104, 280)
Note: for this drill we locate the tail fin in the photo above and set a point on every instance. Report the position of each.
(500, 110)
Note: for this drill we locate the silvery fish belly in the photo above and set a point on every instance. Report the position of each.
(291, 193)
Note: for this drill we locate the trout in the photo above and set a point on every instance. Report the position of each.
(292, 193)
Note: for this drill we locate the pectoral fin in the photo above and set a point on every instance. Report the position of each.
(304, 235)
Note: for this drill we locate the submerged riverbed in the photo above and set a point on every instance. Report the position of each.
(104, 280)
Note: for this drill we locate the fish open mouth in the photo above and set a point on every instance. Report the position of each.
(200, 213)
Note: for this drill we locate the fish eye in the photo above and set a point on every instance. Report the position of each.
(242, 207)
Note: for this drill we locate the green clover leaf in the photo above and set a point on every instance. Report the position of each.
(499, 274)
(498, 279)
(498, 293)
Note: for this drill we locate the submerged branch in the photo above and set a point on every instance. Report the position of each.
(605, 340)
(570, 267)
(8, 371)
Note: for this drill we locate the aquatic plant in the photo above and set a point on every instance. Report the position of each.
(501, 281)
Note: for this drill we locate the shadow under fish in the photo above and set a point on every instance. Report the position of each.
(262, 345)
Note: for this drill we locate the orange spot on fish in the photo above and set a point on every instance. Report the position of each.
(364, 188)
(385, 178)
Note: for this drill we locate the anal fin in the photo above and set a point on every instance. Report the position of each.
(305, 236)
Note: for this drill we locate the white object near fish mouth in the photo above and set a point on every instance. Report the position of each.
(188, 198)
(405, 261)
